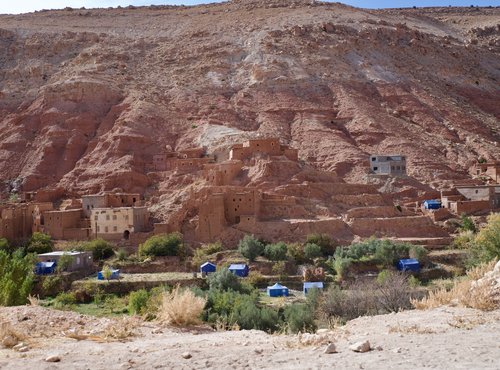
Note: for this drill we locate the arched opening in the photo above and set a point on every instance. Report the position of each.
(126, 234)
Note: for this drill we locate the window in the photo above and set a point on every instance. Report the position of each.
(398, 168)
(375, 168)
(114, 217)
(374, 159)
(115, 228)
(392, 168)
(96, 218)
(88, 207)
(106, 229)
(107, 217)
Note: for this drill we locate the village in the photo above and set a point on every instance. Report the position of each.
(228, 206)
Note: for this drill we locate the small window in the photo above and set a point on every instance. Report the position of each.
(392, 168)
(106, 229)
(374, 159)
(115, 228)
(114, 217)
(107, 217)
(96, 218)
(477, 191)
(375, 168)
(88, 207)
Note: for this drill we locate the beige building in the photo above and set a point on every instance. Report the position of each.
(118, 223)
(89, 202)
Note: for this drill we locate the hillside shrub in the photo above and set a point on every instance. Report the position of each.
(340, 265)
(223, 280)
(296, 252)
(16, 278)
(312, 251)
(256, 279)
(279, 268)
(100, 248)
(467, 223)
(299, 318)
(325, 242)
(64, 300)
(162, 245)
(40, 243)
(250, 247)
(486, 246)
(52, 284)
(138, 301)
(5, 246)
(276, 252)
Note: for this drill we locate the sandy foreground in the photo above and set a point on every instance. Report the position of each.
(448, 337)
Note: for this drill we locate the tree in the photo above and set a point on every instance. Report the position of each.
(312, 251)
(107, 272)
(64, 262)
(16, 278)
(276, 252)
(324, 241)
(162, 245)
(250, 248)
(100, 249)
(40, 243)
(224, 279)
(486, 246)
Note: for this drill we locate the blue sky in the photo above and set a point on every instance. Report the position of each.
(22, 6)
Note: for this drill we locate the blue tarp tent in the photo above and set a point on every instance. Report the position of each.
(207, 268)
(240, 270)
(312, 285)
(45, 268)
(115, 275)
(277, 290)
(409, 264)
(432, 204)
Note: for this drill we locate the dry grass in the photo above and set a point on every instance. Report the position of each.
(33, 300)
(414, 329)
(9, 336)
(121, 330)
(181, 307)
(463, 292)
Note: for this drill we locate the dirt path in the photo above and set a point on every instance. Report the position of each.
(452, 337)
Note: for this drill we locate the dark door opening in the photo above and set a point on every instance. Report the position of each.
(126, 234)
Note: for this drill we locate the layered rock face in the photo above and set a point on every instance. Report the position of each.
(87, 97)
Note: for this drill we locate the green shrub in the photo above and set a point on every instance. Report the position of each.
(299, 318)
(224, 279)
(212, 248)
(312, 251)
(40, 243)
(326, 243)
(250, 248)
(340, 266)
(5, 246)
(279, 268)
(464, 240)
(52, 284)
(121, 255)
(64, 262)
(296, 252)
(138, 301)
(419, 253)
(64, 300)
(486, 245)
(256, 279)
(16, 278)
(276, 252)
(162, 245)
(100, 249)
(383, 276)
(388, 252)
(467, 223)
(250, 316)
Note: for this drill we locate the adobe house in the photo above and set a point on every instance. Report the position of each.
(471, 199)
(185, 160)
(108, 199)
(17, 219)
(489, 170)
(67, 224)
(262, 147)
(80, 260)
(394, 165)
(222, 173)
(118, 223)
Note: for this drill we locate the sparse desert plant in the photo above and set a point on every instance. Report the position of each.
(40, 243)
(100, 248)
(250, 247)
(162, 245)
(395, 292)
(276, 252)
(464, 240)
(121, 254)
(120, 330)
(181, 307)
(9, 336)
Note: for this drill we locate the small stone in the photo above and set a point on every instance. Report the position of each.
(156, 331)
(186, 355)
(246, 344)
(379, 348)
(258, 350)
(53, 358)
(360, 346)
(397, 350)
(322, 331)
(23, 349)
(18, 345)
(330, 348)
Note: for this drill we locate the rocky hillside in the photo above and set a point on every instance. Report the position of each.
(87, 97)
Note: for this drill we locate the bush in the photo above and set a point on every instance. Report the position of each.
(276, 252)
(100, 249)
(65, 300)
(467, 223)
(212, 248)
(299, 318)
(121, 255)
(64, 262)
(326, 243)
(394, 292)
(487, 242)
(5, 246)
(340, 265)
(256, 279)
(296, 252)
(247, 315)
(419, 253)
(201, 254)
(16, 278)
(162, 245)
(224, 279)
(52, 284)
(138, 301)
(464, 240)
(312, 251)
(279, 268)
(40, 243)
(181, 307)
(250, 248)
(388, 253)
